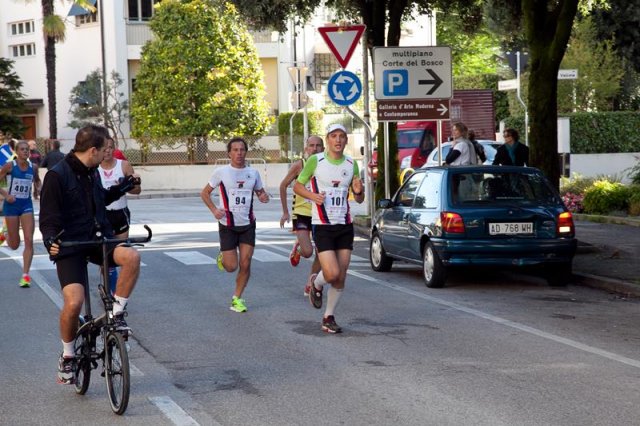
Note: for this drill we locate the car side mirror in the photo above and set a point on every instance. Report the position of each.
(385, 203)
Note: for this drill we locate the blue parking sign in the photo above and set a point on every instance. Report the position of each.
(395, 82)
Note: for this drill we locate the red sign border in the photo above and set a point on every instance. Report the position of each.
(342, 61)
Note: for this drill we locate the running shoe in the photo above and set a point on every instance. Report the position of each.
(294, 256)
(25, 281)
(237, 305)
(219, 262)
(66, 369)
(329, 325)
(307, 287)
(119, 322)
(3, 237)
(315, 295)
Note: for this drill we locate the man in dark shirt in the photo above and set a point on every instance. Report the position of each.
(73, 208)
(54, 156)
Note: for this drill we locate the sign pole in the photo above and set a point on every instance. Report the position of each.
(387, 192)
(526, 112)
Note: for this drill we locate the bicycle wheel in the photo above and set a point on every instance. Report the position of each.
(82, 374)
(116, 367)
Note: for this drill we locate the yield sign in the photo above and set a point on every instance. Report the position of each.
(342, 41)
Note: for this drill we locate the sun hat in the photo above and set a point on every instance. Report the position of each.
(334, 127)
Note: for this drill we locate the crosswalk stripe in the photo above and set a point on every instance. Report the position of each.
(263, 255)
(190, 257)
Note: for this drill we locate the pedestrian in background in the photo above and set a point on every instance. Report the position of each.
(482, 157)
(52, 157)
(462, 152)
(237, 183)
(512, 152)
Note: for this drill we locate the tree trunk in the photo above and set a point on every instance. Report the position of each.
(50, 63)
(548, 28)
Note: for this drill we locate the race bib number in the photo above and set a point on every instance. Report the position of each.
(239, 200)
(335, 201)
(21, 188)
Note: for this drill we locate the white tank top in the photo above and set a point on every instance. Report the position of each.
(110, 177)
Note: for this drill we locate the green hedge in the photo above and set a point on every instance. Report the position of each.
(599, 132)
(314, 119)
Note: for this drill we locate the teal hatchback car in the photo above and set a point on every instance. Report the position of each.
(496, 216)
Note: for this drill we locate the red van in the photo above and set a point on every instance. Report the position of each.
(416, 140)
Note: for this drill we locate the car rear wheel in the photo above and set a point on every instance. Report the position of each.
(380, 262)
(433, 271)
(558, 275)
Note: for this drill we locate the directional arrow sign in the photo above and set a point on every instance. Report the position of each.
(412, 110)
(342, 41)
(344, 88)
(412, 72)
(435, 81)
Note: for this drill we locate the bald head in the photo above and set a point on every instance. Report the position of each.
(314, 145)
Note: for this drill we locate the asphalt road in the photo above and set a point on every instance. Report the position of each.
(489, 349)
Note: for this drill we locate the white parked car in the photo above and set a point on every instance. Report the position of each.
(490, 148)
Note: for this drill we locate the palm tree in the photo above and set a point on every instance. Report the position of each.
(53, 28)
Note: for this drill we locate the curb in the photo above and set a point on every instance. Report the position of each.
(616, 220)
(609, 284)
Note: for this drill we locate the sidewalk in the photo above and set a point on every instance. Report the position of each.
(608, 254)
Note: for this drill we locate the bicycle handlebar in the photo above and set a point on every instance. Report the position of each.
(104, 240)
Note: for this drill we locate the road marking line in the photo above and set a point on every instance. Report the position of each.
(527, 329)
(173, 411)
(191, 257)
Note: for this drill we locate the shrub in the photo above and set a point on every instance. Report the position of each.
(634, 200)
(576, 184)
(604, 196)
(573, 202)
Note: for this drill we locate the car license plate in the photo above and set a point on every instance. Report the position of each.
(511, 228)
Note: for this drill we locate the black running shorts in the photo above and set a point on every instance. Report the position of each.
(333, 237)
(301, 223)
(232, 236)
(119, 220)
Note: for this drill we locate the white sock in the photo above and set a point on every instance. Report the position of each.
(332, 300)
(319, 281)
(120, 304)
(68, 350)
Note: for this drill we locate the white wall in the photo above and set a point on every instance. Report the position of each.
(594, 165)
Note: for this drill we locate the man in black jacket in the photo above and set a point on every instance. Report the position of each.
(52, 157)
(72, 208)
(512, 152)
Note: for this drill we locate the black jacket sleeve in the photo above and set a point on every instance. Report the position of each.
(502, 157)
(51, 202)
(452, 155)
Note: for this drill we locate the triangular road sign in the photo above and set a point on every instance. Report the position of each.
(342, 41)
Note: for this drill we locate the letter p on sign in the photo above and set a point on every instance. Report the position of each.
(396, 82)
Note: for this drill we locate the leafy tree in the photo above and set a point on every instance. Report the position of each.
(10, 99)
(200, 76)
(472, 53)
(53, 28)
(599, 71)
(87, 106)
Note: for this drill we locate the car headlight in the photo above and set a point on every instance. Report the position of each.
(406, 162)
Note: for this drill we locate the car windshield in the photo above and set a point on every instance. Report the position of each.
(508, 187)
(409, 138)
